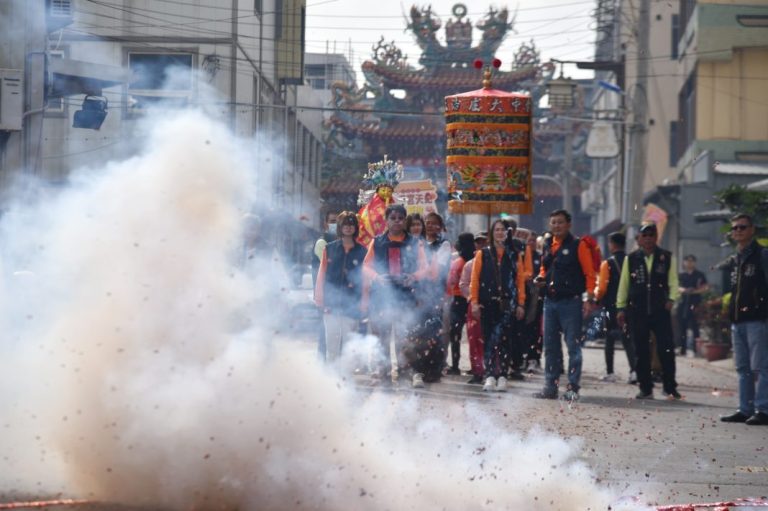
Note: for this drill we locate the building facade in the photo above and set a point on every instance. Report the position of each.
(240, 60)
(692, 113)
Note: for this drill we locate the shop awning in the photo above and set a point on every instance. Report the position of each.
(716, 215)
(67, 77)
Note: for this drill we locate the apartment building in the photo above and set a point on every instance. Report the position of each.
(242, 59)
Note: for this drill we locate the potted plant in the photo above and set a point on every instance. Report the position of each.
(716, 331)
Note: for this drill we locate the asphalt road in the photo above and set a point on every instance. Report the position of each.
(667, 452)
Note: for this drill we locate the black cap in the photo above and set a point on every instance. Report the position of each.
(648, 227)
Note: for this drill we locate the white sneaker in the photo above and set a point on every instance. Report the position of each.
(632, 378)
(418, 381)
(533, 366)
(571, 395)
(501, 384)
(608, 378)
(490, 384)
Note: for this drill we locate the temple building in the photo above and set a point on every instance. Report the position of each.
(398, 111)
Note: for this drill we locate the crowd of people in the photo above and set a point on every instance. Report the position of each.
(519, 301)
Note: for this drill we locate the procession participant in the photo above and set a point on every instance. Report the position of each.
(465, 246)
(518, 347)
(566, 273)
(647, 289)
(605, 294)
(693, 284)
(474, 331)
(339, 287)
(748, 311)
(497, 292)
(414, 225)
(435, 299)
(394, 263)
(534, 306)
(329, 235)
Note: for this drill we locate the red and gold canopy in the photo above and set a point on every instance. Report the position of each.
(489, 151)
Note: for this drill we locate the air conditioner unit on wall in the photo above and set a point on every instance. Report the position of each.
(11, 99)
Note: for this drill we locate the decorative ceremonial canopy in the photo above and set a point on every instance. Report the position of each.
(489, 151)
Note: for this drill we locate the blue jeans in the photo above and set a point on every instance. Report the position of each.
(750, 352)
(562, 316)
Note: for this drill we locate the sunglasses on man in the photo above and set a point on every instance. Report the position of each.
(740, 227)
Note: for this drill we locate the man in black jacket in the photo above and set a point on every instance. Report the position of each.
(648, 288)
(566, 273)
(607, 289)
(748, 310)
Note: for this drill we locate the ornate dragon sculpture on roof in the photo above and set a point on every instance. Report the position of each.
(458, 50)
(444, 68)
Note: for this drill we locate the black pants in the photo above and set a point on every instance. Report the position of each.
(613, 333)
(423, 348)
(458, 319)
(686, 318)
(532, 340)
(640, 327)
(495, 342)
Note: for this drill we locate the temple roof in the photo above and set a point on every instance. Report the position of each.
(373, 129)
(450, 80)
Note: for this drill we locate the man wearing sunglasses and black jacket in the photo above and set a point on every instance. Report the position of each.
(748, 311)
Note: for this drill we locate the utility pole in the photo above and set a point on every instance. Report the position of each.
(566, 171)
(35, 45)
(638, 131)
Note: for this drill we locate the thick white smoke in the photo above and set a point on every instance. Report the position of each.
(129, 376)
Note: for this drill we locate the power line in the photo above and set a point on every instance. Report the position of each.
(187, 29)
(536, 8)
(288, 61)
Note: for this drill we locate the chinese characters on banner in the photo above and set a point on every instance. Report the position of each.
(417, 196)
(489, 152)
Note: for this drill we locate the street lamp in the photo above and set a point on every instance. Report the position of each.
(618, 69)
(561, 91)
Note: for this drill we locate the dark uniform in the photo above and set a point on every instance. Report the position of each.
(686, 310)
(646, 309)
(608, 302)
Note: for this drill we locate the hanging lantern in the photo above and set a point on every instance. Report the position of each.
(489, 150)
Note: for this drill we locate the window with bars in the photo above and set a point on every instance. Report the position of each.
(686, 123)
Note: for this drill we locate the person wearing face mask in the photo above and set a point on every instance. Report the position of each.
(648, 287)
(329, 235)
(339, 287)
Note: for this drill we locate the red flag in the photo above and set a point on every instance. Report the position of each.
(372, 219)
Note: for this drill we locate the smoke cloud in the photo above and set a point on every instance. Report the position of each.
(145, 364)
